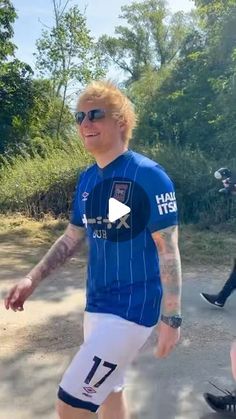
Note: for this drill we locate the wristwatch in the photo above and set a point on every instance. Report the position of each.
(172, 321)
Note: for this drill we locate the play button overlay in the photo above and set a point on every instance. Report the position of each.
(117, 210)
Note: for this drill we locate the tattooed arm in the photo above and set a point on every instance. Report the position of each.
(166, 241)
(57, 255)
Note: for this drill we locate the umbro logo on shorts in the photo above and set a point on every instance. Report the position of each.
(89, 390)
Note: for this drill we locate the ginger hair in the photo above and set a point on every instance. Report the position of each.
(115, 101)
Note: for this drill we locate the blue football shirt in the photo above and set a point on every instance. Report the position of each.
(123, 275)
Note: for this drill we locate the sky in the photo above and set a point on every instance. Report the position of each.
(102, 17)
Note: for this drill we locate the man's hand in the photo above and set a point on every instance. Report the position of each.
(18, 294)
(230, 185)
(168, 337)
(57, 255)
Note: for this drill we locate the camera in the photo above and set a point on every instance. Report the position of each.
(228, 179)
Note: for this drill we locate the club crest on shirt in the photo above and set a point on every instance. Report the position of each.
(121, 191)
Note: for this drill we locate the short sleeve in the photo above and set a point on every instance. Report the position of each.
(76, 218)
(162, 199)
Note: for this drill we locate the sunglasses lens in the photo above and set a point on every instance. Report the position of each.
(93, 115)
(96, 114)
(79, 117)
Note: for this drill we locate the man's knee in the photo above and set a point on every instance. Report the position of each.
(114, 398)
(64, 411)
(114, 407)
(61, 409)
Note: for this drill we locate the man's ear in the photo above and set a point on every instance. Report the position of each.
(122, 124)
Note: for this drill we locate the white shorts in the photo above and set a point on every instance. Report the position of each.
(110, 345)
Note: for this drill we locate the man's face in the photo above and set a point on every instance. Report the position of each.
(99, 135)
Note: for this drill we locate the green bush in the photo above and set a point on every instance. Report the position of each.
(37, 185)
(196, 188)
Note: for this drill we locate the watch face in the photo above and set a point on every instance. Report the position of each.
(175, 321)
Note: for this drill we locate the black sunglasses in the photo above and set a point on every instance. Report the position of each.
(92, 115)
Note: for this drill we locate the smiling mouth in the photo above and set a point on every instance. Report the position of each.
(91, 135)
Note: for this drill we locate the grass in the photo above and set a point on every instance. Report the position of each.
(27, 181)
(214, 247)
(19, 229)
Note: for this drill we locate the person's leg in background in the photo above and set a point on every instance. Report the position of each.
(219, 299)
(226, 403)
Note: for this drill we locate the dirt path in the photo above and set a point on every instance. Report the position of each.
(37, 345)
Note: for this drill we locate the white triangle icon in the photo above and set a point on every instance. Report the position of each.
(116, 210)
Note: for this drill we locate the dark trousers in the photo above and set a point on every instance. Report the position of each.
(229, 286)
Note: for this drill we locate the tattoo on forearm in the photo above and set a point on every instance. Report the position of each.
(171, 281)
(59, 253)
(170, 270)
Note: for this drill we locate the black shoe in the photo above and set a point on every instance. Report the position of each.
(222, 404)
(212, 299)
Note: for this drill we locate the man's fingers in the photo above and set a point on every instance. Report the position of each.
(17, 309)
(8, 299)
(14, 297)
(20, 308)
(16, 305)
(13, 301)
(163, 351)
(6, 303)
(17, 295)
(160, 352)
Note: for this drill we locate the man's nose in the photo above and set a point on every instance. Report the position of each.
(86, 121)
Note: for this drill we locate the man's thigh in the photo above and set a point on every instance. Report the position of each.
(111, 343)
(65, 411)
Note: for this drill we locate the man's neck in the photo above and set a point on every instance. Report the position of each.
(104, 159)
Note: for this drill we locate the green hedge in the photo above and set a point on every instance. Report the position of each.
(37, 185)
(196, 188)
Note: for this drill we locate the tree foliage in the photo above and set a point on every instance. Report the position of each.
(35, 109)
(180, 73)
(7, 18)
(66, 54)
(16, 96)
(192, 104)
(151, 38)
